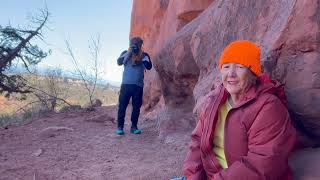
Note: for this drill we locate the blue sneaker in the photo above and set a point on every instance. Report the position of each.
(135, 131)
(179, 178)
(120, 131)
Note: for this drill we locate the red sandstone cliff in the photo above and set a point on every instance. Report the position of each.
(185, 39)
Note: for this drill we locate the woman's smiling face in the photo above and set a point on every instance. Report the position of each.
(236, 78)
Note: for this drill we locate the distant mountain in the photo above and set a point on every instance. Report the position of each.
(64, 73)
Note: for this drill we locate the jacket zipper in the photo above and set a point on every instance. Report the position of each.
(224, 138)
(218, 98)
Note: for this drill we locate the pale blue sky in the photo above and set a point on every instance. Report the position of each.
(77, 21)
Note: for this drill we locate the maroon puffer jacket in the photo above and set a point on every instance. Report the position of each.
(258, 137)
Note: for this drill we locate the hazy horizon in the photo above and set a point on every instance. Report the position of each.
(77, 22)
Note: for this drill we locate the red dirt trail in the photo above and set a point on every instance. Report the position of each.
(83, 146)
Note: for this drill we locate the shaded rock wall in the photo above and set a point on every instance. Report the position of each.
(157, 21)
(185, 39)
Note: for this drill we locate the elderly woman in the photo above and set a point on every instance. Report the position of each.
(244, 130)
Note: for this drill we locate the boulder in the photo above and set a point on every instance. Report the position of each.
(90, 106)
(305, 164)
(186, 38)
(156, 21)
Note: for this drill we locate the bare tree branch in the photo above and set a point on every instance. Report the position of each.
(89, 79)
(39, 90)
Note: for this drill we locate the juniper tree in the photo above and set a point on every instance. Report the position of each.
(16, 46)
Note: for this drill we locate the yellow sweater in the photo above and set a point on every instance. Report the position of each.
(218, 147)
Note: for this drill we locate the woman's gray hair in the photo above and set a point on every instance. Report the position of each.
(254, 79)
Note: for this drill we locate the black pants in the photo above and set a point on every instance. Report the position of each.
(128, 91)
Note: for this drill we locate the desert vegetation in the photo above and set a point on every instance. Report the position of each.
(28, 93)
(52, 93)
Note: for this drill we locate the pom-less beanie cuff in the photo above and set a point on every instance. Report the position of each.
(243, 52)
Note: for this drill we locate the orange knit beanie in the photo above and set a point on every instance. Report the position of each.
(243, 52)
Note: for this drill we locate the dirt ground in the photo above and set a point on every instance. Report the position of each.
(83, 145)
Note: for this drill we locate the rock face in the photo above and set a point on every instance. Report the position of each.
(185, 39)
(156, 21)
(305, 164)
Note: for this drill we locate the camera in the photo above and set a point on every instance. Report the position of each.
(135, 49)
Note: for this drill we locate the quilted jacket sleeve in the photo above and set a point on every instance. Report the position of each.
(192, 166)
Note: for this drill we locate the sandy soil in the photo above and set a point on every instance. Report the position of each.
(83, 145)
